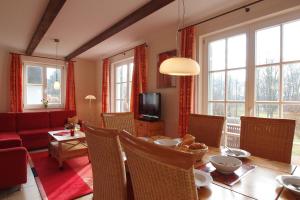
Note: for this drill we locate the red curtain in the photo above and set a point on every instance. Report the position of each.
(105, 84)
(139, 78)
(70, 88)
(16, 93)
(186, 91)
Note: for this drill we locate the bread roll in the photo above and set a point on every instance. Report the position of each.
(197, 145)
(188, 139)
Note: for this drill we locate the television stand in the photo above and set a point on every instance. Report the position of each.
(148, 118)
(149, 128)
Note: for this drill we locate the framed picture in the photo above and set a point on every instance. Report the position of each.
(163, 80)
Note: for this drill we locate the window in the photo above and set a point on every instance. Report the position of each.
(39, 84)
(277, 74)
(266, 54)
(226, 79)
(122, 85)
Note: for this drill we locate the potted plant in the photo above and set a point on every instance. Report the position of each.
(45, 102)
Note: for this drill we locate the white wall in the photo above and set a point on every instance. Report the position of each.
(162, 41)
(85, 84)
(4, 79)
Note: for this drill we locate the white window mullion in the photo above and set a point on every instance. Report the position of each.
(128, 81)
(225, 88)
(280, 73)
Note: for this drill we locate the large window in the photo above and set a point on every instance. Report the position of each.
(39, 84)
(226, 79)
(277, 74)
(122, 85)
(254, 72)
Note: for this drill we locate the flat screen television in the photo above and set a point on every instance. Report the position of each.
(149, 106)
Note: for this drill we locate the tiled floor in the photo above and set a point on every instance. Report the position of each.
(29, 191)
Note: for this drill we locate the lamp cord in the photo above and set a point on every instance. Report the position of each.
(180, 22)
(56, 46)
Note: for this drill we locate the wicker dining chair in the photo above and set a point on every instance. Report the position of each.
(268, 138)
(109, 176)
(206, 128)
(158, 172)
(120, 121)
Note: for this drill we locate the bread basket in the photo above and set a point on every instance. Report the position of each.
(198, 154)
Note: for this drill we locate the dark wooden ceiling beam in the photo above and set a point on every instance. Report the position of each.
(137, 15)
(53, 8)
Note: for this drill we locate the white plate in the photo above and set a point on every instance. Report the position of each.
(288, 181)
(144, 138)
(239, 153)
(168, 142)
(202, 178)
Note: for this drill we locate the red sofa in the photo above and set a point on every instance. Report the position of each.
(8, 133)
(13, 157)
(30, 129)
(33, 129)
(20, 130)
(13, 168)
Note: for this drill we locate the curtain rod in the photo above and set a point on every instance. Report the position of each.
(225, 13)
(39, 56)
(123, 52)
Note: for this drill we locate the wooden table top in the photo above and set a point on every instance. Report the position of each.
(78, 135)
(260, 183)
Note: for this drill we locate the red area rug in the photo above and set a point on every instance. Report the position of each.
(73, 181)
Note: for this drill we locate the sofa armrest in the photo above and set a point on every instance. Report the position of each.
(13, 168)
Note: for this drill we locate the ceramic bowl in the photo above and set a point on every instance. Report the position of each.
(225, 164)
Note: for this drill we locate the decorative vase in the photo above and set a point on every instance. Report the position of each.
(72, 132)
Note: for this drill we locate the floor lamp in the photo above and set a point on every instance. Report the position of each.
(90, 98)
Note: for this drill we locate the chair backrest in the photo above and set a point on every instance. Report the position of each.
(268, 138)
(206, 128)
(120, 121)
(109, 176)
(158, 172)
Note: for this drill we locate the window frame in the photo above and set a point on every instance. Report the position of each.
(250, 28)
(114, 65)
(44, 67)
(205, 75)
(280, 102)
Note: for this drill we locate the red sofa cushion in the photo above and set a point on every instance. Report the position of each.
(58, 118)
(35, 139)
(9, 139)
(13, 168)
(32, 134)
(58, 128)
(29, 121)
(8, 122)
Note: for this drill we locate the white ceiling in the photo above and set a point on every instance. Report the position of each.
(18, 21)
(79, 21)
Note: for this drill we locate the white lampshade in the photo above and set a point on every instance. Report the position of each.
(89, 97)
(179, 66)
(56, 85)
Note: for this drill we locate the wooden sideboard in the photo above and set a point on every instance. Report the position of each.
(146, 128)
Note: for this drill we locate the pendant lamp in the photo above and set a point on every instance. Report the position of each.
(179, 66)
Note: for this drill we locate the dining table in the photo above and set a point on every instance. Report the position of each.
(259, 183)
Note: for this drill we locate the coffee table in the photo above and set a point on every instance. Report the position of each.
(63, 146)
